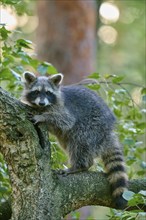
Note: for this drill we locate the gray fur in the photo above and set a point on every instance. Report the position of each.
(83, 124)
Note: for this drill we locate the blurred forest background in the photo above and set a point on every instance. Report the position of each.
(78, 38)
(117, 30)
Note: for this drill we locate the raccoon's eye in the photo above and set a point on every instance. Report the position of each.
(36, 92)
(48, 93)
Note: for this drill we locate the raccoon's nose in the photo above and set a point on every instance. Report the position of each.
(42, 103)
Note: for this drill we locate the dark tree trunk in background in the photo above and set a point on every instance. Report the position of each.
(66, 36)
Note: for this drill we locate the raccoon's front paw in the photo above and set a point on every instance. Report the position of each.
(37, 119)
(30, 117)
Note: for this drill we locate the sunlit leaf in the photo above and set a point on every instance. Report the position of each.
(141, 125)
(143, 164)
(127, 195)
(94, 76)
(118, 91)
(142, 192)
(107, 76)
(46, 68)
(4, 33)
(24, 43)
(94, 87)
(117, 79)
(16, 75)
(42, 69)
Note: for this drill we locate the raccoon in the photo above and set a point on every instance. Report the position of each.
(83, 125)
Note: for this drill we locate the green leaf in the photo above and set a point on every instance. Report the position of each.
(45, 68)
(94, 87)
(20, 69)
(51, 69)
(143, 164)
(5, 74)
(16, 75)
(143, 91)
(4, 33)
(24, 43)
(107, 76)
(34, 63)
(127, 195)
(42, 69)
(117, 79)
(144, 98)
(141, 125)
(10, 2)
(141, 172)
(117, 112)
(137, 199)
(6, 49)
(129, 141)
(94, 76)
(142, 192)
(24, 56)
(130, 160)
(8, 59)
(3, 189)
(142, 214)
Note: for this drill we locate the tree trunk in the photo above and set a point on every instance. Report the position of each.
(66, 36)
(37, 192)
(28, 163)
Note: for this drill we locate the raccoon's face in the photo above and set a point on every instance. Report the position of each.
(41, 91)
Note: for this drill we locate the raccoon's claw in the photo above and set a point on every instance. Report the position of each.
(33, 118)
(37, 119)
(30, 117)
(61, 172)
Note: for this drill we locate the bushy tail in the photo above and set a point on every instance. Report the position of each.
(117, 177)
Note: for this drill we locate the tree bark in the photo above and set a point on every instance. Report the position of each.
(37, 192)
(66, 36)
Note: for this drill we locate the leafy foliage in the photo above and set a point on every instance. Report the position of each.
(131, 128)
(59, 159)
(16, 58)
(133, 199)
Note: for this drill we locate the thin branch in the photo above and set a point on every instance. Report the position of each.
(94, 81)
(123, 83)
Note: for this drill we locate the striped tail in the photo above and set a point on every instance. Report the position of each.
(117, 177)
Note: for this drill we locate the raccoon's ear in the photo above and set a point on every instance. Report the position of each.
(29, 77)
(56, 79)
